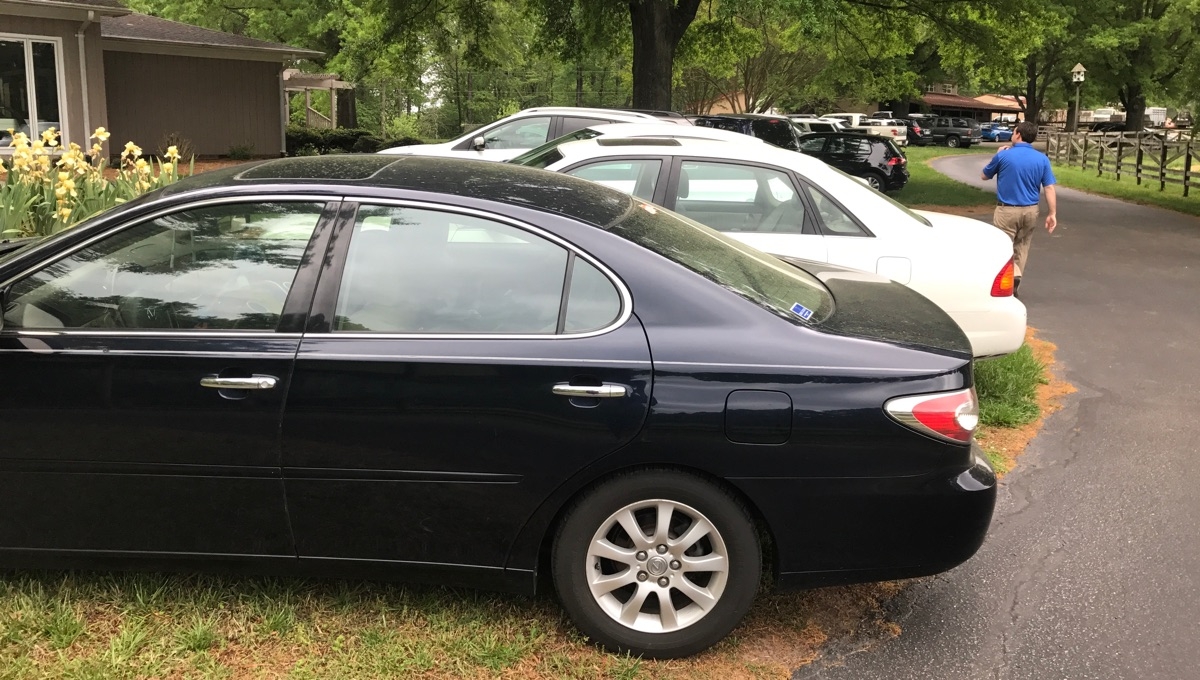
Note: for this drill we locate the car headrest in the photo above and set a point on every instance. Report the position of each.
(685, 184)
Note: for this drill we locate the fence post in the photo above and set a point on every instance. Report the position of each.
(1187, 170)
(1100, 160)
(1120, 148)
(1137, 166)
(1162, 168)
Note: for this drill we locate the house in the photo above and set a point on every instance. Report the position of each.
(943, 99)
(76, 65)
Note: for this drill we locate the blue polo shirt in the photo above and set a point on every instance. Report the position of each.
(1023, 171)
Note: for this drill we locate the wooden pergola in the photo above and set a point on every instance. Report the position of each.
(296, 81)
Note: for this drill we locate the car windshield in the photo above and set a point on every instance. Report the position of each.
(6, 254)
(778, 287)
(548, 154)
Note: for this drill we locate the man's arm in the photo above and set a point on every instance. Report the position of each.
(1052, 202)
(989, 170)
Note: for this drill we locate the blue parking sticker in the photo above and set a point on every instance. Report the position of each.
(802, 311)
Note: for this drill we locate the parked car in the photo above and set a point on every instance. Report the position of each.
(995, 132)
(795, 205)
(952, 131)
(776, 130)
(882, 127)
(918, 135)
(431, 369)
(548, 153)
(875, 159)
(520, 132)
(807, 125)
(669, 116)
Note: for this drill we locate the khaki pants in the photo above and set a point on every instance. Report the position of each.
(1019, 223)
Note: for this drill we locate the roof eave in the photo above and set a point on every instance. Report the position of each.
(176, 47)
(71, 7)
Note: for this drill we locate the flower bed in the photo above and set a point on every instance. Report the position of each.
(48, 188)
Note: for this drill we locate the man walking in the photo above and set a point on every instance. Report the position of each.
(1021, 171)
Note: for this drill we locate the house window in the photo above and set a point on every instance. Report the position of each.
(931, 88)
(30, 87)
(947, 88)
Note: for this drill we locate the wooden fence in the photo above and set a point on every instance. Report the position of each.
(1153, 157)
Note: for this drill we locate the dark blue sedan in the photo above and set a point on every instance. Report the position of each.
(474, 373)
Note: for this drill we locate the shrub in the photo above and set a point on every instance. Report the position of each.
(304, 140)
(43, 193)
(241, 152)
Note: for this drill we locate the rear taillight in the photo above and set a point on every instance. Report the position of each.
(897, 160)
(917, 129)
(951, 416)
(1002, 285)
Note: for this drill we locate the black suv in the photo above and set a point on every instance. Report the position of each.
(875, 159)
(952, 131)
(919, 133)
(777, 130)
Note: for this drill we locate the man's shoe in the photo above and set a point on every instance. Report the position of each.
(1016, 285)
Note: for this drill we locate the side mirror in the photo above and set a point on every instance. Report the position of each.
(479, 143)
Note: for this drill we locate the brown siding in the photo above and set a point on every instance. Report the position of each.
(214, 103)
(69, 69)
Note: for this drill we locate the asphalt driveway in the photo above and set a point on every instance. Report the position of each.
(1092, 565)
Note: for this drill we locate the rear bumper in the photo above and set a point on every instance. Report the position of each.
(996, 331)
(838, 531)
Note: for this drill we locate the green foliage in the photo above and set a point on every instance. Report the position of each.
(1007, 388)
(306, 141)
(241, 152)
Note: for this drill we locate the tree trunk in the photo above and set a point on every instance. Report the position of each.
(1134, 98)
(1033, 103)
(658, 26)
(578, 84)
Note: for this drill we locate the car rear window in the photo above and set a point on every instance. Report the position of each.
(548, 153)
(775, 132)
(774, 285)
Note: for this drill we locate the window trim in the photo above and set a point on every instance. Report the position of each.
(330, 284)
(326, 201)
(64, 104)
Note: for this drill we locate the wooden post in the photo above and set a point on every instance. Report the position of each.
(1120, 149)
(1137, 166)
(1162, 168)
(1083, 155)
(1187, 170)
(1100, 160)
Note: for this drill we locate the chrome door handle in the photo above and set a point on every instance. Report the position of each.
(605, 391)
(258, 382)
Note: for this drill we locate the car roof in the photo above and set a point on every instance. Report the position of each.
(683, 131)
(744, 116)
(581, 110)
(766, 153)
(502, 182)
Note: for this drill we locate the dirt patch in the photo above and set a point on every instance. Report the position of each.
(976, 211)
(1011, 442)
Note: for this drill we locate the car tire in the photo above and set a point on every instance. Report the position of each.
(875, 181)
(953, 141)
(602, 571)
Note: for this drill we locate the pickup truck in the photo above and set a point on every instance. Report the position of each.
(882, 127)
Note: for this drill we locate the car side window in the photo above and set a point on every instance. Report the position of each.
(525, 133)
(835, 220)
(226, 267)
(812, 144)
(731, 197)
(412, 270)
(575, 123)
(636, 177)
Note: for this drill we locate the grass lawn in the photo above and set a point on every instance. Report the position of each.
(1127, 189)
(928, 188)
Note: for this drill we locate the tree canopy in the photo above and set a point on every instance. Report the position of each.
(429, 67)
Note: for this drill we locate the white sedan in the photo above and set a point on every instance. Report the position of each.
(794, 205)
(516, 134)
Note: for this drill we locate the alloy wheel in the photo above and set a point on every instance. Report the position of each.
(657, 566)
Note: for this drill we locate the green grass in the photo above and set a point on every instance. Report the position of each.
(1127, 189)
(1007, 388)
(928, 187)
